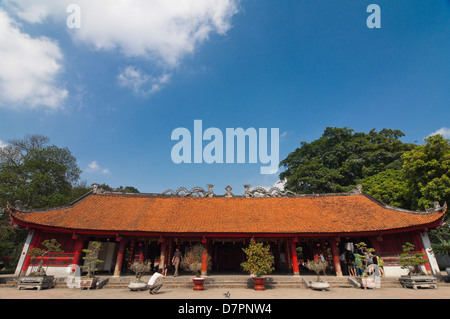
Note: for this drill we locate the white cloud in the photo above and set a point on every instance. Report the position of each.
(140, 82)
(28, 68)
(445, 131)
(162, 31)
(93, 167)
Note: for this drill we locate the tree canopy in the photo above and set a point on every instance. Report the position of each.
(38, 174)
(341, 158)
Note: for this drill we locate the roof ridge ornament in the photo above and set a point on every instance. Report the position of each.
(261, 191)
(357, 190)
(194, 192)
(96, 189)
(228, 190)
(436, 207)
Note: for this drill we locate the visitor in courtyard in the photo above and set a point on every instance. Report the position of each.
(343, 261)
(358, 264)
(155, 282)
(373, 271)
(377, 260)
(176, 261)
(283, 261)
(351, 263)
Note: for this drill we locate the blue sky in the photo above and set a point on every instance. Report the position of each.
(113, 90)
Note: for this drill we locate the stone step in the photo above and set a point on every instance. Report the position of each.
(232, 282)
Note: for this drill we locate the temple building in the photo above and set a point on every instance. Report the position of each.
(148, 227)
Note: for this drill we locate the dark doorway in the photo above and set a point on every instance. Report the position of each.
(227, 256)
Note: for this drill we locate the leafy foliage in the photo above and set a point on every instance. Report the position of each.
(340, 158)
(367, 253)
(193, 259)
(259, 259)
(441, 240)
(51, 246)
(91, 260)
(140, 268)
(411, 260)
(388, 186)
(39, 175)
(317, 266)
(427, 172)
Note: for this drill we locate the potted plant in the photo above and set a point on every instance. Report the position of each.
(413, 261)
(39, 278)
(193, 260)
(259, 263)
(139, 268)
(317, 267)
(91, 265)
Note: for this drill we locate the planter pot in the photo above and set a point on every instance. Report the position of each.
(135, 286)
(198, 283)
(316, 285)
(39, 282)
(319, 285)
(259, 283)
(418, 281)
(88, 283)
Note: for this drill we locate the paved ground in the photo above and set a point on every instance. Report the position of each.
(235, 293)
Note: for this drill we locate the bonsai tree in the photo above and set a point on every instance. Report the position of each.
(51, 246)
(259, 259)
(140, 268)
(317, 266)
(193, 259)
(91, 260)
(411, 260)
(366, 255)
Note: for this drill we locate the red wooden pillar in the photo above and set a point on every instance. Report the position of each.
(120, 256)
(78, 250)
(294, 258)
(141, 252)
(205, 258)
(34, 243)
(335, 253)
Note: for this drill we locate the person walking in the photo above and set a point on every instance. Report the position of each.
(176, 261)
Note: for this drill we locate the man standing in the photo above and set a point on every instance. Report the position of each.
(154, 284)
(176, 261)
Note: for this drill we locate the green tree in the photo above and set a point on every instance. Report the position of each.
(39, 175)
(120, 189)
(340, 158)
(427, 172)
(389, 186)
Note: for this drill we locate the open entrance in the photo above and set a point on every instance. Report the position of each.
(227, 256)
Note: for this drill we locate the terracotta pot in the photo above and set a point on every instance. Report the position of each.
(198, 283)
(259, 283)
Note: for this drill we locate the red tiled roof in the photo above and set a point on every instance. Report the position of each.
(346, 213)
